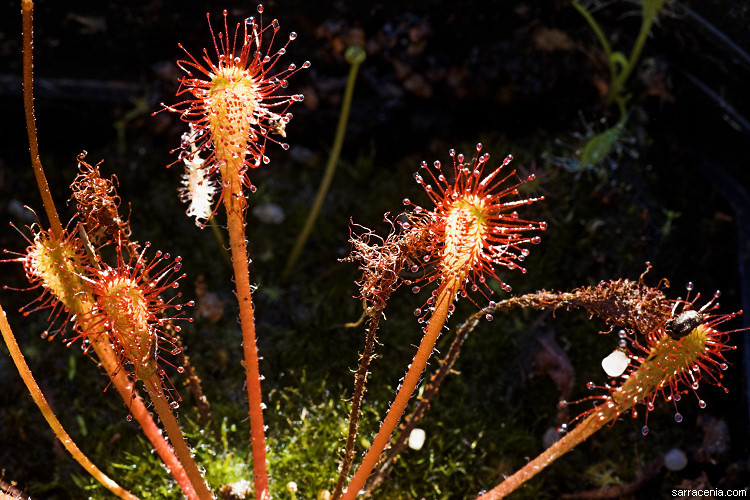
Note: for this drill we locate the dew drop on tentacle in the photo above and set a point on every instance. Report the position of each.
(644, 430)
(678, 417)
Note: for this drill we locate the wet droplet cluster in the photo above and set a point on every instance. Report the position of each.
(233, 100)
(666, 364)
(473, 227)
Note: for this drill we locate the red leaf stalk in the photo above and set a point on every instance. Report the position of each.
(234, 108)
(49, 415)
(674, 362)
(27, 9)
(472, 229)
(59, 266)
(446, 293)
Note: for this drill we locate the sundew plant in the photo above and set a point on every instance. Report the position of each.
(216, 375)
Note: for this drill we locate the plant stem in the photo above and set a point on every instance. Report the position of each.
(647, 21)
(619, 82)
(175, 436)
(446, 367)
(49, 415)
(597, 29)
(360, 381)
(124, 386)
(234, 202)
(27, 9)
(582, 431)
(446, 294)
(333, 160)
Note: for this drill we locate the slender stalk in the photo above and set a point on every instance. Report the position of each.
(619, 82)
(662, 366)
(102, 348)
(27, 10)
(49, 415)
(539, 300)
(597, 29)
(582, 431)
(125, 388)
(333, 160)
(446, 366)
(234, 202)
(175, 436)
(360, 381)
(446, 294)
